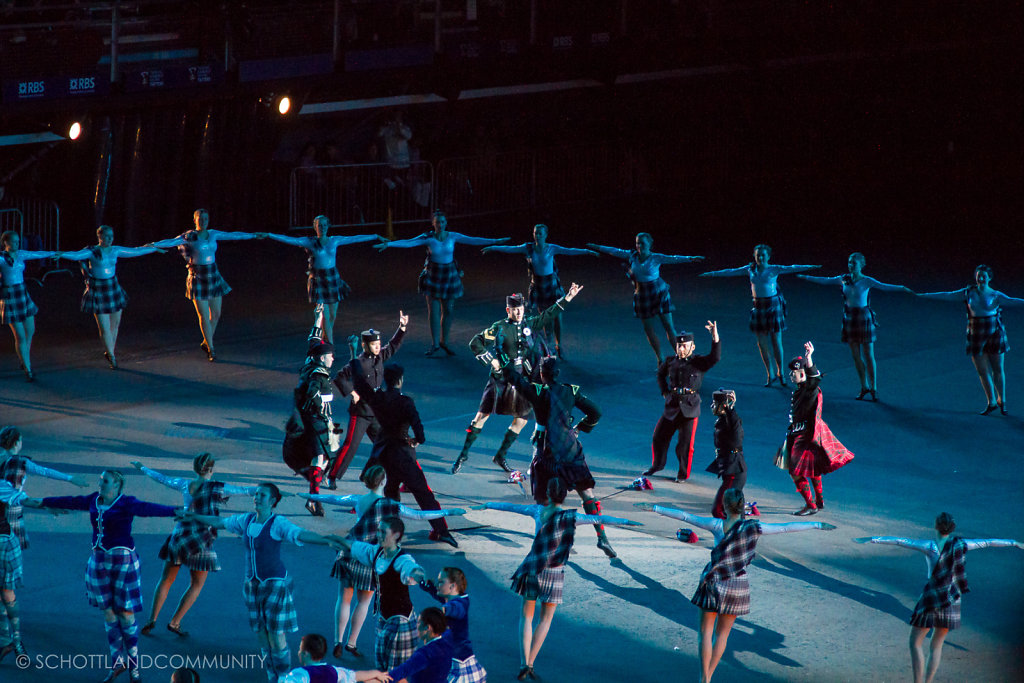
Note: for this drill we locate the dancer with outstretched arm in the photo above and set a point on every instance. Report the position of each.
(768, 314)
(16, 307)
(859, 324)
(938, 608)
(723, 592)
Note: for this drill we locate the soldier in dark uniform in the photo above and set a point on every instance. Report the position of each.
(360, 416)
(679, 378)
(516, 340)
(557, 450)
(393, 448)
(729, 463)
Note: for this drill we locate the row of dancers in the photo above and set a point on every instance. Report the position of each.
(372, 560)
(440, 282)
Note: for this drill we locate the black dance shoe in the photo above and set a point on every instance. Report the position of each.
(989, 409)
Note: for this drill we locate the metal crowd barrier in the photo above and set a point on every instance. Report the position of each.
(32, 217)
(362, 194)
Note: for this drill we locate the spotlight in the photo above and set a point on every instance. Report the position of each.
(74, 130)
(284, 105)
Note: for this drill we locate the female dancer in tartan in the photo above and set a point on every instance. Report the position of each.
(986, 337)
(939, 605)
(16, 308)
(268, 587)
(190, 543)
(651, 298)
(324, 285)
(768, 315)
(724, 592)
(103, 296)
(541, 574)
(11, 571)
(394, 570)
(545, 287)
(112, 579)
(858, 319)
(372, 509)
(450, 590)
(204, 286)
(441, 280)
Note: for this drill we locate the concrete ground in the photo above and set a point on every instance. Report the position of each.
(824, 608)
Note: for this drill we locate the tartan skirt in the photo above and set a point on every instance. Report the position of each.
(986, 335)
(353, 574)
(947, 617)
(103, 296)
(501, 398)
(204, 282)
(575, 475)
(859, 325)
(11, 571)
(192, 547)
(651, 298)
(440, 280)
(550, 583)
(467, 670)
(396, 640)
(544, 291)
(16, 518)
(15, 304)
(325, 286)
(270, 605)
(112, 580)
(731, 596)
(768, 315)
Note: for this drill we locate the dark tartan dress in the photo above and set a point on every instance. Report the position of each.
(191, 543)
(723, 586)
(939, 605)
(541, 574)
(985, 334)
(351, 572)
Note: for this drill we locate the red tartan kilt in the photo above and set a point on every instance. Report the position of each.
(808, 458)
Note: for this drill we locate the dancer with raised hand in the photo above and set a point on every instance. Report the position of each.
(16, 307)
(190, 543)
(324, 285)
(113, 580)
(541, 574)
(729, 463)
(205, 286)
(986, 336)
(394, 570)
(938, 608)
(768, 314)
(651, 300)
(545, 287)
(268, 586)
(371, 508)
(723, 592)
(440, 282)
(810, 450)
(859, 324)
(104, 297)
(451, 590)
(512, 341)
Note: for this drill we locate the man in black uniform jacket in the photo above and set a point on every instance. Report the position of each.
(360, 416)
(393, 448)
(679, 379)
(729, 463)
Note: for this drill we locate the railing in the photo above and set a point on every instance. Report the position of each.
(12, 219)
(362, 194)
(35, 217)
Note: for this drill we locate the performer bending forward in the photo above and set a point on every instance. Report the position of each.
(768, 315)
(541, 574)
(514, 341)
(440, 281)
(986, 337)
(651, 298)
(724, 591)
(103, 296)
(858, 319)
(939, 605)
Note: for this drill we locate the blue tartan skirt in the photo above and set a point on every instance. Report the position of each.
(112, 580)
(103, 296)
(731, 596)
(325, 286)
(467, 670)
(396, 641)
(768, 315)
(544, 291)
(651, 298)
(11, 569)
(15, 304)
(550, 583)
(986, 335)
(270, 605)
(859, 325)
(440, 280)
(204, 282)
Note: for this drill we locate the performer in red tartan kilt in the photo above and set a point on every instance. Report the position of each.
(811, 450)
